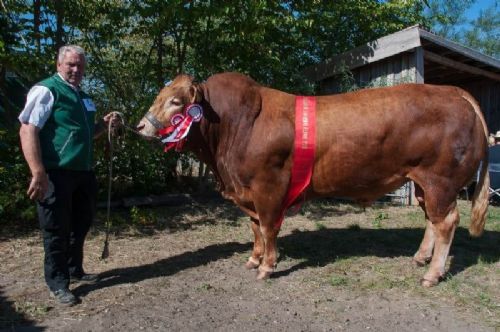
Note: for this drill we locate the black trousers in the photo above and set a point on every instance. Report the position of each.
(65, 216)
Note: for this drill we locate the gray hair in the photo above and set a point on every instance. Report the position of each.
(69, 48)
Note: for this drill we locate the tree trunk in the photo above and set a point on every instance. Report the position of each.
(59, 27)
(159, 60)
(37, 4)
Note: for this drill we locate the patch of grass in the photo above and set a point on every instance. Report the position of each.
(142, 217)
(319, 225)
(31, 310)
(337, 280)
(493, 221)
(205, 287)
(415, 216)
(377, 222)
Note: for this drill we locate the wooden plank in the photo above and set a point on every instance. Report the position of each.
(396, 68)
(411, 67)
(405, 72)
(419, 65)
(460, 66)
(389, 69)
(364, 76)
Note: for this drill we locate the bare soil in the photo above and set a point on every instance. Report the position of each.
(340, 269)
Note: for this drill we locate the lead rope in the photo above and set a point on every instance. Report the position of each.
(105, 250)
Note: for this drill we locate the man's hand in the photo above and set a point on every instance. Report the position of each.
(38, 187)
(111, 121)
(113, 118)
(30, 143)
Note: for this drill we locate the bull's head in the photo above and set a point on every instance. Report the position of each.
(170, 102)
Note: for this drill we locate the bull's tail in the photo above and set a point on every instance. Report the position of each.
(480, 199)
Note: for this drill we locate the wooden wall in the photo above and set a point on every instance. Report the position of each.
(400, 68)
(487, 93)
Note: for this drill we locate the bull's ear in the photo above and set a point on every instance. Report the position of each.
(196, 93)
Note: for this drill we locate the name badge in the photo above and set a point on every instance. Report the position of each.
(89, 105)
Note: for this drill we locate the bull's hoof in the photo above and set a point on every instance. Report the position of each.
(421, 261)
(264, 273)
(252, 263)
(427, 283)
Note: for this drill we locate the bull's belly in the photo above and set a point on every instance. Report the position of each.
(357, 188)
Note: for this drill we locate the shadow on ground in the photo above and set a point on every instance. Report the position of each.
(314, 248)
(13, 320)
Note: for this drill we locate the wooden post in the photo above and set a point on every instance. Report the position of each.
(419, 65)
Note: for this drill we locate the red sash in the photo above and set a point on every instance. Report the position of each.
(303, 154)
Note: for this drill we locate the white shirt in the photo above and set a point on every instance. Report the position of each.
(38, 105)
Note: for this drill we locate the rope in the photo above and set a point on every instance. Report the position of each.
(111, 131)
(105, 250)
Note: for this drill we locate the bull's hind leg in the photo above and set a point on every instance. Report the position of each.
(258, 246)
(444, 231)
(424, 253)
(443, 214)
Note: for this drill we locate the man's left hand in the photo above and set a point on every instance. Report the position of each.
(112, 118)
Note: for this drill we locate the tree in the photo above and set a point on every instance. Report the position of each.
(447, 18)
(134, 46)
(485, 33)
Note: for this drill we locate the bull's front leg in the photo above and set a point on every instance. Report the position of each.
(258, 246)
(269, 261)
(269, 191)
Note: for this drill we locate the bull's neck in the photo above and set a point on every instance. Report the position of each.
(203, 143)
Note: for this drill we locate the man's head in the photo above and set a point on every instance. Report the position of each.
(71, 63)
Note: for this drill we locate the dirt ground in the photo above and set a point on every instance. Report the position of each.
(185, 273)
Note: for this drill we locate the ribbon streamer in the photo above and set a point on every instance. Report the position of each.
(303, 154)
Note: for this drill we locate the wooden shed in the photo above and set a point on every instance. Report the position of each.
(418, 56)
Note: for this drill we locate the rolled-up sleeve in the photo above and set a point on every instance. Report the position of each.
(38, 106)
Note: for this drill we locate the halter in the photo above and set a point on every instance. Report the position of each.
(174, 135)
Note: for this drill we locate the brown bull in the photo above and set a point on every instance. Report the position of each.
(368, 143)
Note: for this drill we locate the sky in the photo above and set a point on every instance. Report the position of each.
(479, 5)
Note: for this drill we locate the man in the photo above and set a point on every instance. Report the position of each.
(57, 130)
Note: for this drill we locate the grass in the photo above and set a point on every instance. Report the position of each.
(337, 280)
(373, 253)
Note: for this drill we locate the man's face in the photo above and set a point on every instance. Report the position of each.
(72, 67)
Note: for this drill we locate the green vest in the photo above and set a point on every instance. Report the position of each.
(66, 139)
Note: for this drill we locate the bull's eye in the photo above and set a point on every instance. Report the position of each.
(176, 102)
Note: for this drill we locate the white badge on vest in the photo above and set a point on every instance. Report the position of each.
(89, 105)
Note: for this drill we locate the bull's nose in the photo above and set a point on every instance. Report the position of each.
(140, 126)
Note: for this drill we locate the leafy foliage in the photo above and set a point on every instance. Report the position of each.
(134, 46)
(447, 18)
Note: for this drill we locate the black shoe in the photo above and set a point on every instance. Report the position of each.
(84, 278)
(64, 297)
